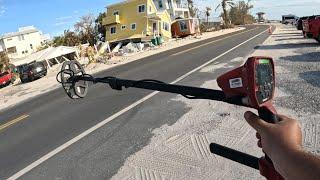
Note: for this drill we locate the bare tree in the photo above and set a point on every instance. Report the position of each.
(208, 13)
(86, 29)
(225, 4)
(191, 8)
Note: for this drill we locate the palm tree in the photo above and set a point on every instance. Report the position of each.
(224, 4)
(208, 12)
(191, 8)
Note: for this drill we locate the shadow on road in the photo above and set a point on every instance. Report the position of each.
(307, 57)
(285, 39)
(287, 34)
(288, 29)
(287, 46)
(312, 77)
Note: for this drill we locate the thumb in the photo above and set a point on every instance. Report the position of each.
(258, 124)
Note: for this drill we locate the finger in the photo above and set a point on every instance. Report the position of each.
(255, 122)
(259, 144)
(258, 136)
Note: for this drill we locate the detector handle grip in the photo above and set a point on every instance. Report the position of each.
(268, 114)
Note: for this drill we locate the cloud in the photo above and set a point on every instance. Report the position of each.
(62, 23)
(3, 10)
(63, 18)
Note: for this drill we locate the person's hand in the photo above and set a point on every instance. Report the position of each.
(276, 139)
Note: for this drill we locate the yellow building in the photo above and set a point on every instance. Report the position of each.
(136, 19)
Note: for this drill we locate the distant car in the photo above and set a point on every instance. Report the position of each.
(33, 71)
(6, 78)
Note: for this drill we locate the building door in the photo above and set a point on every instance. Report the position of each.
(154, 27)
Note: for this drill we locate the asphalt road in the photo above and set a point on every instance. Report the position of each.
(52, 119)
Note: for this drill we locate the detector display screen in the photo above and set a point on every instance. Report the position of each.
(264, 80)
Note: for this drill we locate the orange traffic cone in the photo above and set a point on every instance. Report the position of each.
(270, 29)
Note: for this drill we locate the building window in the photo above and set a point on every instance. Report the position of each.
(160, 4)
(133, 26)
(9, 39)
(21, 37)
(150, 9)
(116, 13)
(113, 30)
(12, 50)
(31, 46)
(141, 8)
(183, 26)
(165, 26)
(123, 27)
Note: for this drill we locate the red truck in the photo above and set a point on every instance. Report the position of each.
(311, 27)
(6, 78)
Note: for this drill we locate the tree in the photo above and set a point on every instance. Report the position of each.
(100, 28)
(225, 4)
(192, 9)
(239, 13)
(208, 13)
(58, 40)
(86, 29)
(70, 38)
(4, 61)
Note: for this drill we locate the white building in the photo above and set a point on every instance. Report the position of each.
(176, 8)
(22, 43)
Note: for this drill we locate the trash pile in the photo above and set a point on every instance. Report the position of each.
(102, 52)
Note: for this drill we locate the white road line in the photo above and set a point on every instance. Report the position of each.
(87, 132)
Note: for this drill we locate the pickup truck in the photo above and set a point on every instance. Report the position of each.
(311, 27)
(6, 78)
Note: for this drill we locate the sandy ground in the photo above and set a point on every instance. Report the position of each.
(181, 151)
(13, 94)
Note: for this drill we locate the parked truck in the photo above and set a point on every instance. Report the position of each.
(289, 19)
(311, 27)
(6, 78)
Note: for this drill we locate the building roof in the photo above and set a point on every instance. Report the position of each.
(13, 34)
(120, 3)
(46, 54)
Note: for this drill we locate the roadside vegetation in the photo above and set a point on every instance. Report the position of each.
(4, 61)
(89, 29)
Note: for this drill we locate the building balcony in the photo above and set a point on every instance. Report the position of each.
(111, 20)
(154, 16)
(181, 6)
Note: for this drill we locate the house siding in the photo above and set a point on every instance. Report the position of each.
(128, 14)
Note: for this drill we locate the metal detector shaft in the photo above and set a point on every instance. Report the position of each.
(188, 91)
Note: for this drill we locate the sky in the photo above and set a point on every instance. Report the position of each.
(54, 16)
